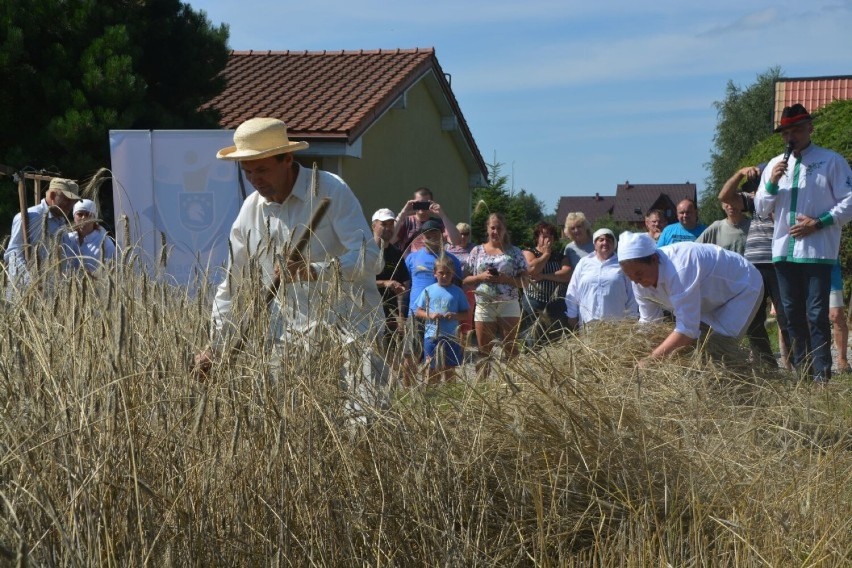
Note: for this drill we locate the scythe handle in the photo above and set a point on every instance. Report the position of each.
(25, 220)
(299, 246)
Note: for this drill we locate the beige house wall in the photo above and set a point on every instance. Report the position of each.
(406, 149)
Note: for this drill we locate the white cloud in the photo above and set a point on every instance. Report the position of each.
(546, 83)
(685, 53)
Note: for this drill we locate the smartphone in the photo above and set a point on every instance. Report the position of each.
(422, 205)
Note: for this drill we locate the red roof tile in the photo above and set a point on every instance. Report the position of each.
(814, 93)
(325, 94)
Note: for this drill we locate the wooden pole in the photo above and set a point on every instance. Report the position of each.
(25, 221)
(22, 202)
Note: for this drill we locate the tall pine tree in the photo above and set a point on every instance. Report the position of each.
(74, 69)
(522, 210)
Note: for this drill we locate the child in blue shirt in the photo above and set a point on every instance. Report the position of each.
(443, 305)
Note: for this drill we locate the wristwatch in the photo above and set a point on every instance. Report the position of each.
(819, 224)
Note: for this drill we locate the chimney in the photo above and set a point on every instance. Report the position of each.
(597, 196)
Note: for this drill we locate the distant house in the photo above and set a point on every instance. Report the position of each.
(630, 202)
(385, 120)
(592, 207)
(812, 92)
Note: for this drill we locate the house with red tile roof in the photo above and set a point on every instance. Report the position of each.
(385, 120)
(812, 92)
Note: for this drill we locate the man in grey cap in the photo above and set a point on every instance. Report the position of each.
(713, 293)
(47, 218)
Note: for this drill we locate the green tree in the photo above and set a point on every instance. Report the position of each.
(74, 69)
(522, 210)
(745, 116)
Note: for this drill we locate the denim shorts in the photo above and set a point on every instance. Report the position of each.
(453, 356)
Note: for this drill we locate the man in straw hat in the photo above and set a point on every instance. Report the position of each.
(713, 293)
(811, 200)
(49, 217)
(331, 284)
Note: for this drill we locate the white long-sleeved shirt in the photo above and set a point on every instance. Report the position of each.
(341, 245)
(37, 215)
(702, 283)
(818, 185)
(599, 290)
(97, 247)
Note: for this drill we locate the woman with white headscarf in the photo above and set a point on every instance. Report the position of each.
(599, 289)
(88, 246)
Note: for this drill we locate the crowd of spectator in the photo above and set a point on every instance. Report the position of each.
(778, 243)
(714, 282)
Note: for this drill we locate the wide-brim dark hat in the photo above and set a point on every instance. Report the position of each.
(793, 115)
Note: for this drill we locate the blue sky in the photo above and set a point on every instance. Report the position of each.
(574, 98)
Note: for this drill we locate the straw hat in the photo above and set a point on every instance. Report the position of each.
(259, 138)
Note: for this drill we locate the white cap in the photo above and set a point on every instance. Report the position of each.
(86, 205)
(383, 215)
(602, 232)
(635, 245)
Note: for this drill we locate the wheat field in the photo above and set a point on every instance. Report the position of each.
(113, 454)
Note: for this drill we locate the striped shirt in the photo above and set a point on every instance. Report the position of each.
(546, 290)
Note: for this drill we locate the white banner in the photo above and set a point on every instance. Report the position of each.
(170, 183)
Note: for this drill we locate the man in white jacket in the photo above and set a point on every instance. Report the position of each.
(809, 193)
(331, 285)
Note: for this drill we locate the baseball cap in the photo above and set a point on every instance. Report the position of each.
(383, 215)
